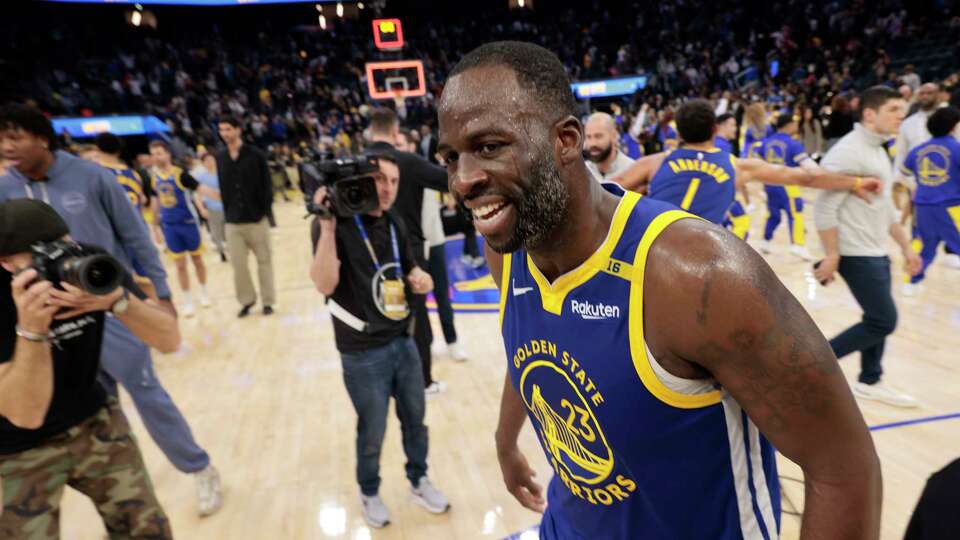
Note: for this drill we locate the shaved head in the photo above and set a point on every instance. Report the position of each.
(602, 120)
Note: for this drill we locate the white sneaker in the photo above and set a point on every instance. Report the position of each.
(952, 260)
(430, 497)
(205, 301)
(188, 311)
(375, 513)
(801, 252)
(436, 387)
(884, 394)
(438, 348)
(209, 495)
(763, 246)
(910, 289)
(456, 352)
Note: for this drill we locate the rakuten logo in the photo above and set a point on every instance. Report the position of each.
(594, 312)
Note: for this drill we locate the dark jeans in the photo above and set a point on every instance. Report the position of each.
(869, 281)
(441, 291)
(371, 377)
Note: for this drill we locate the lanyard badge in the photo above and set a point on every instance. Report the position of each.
(388, 292)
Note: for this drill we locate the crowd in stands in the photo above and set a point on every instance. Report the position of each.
(299, 84)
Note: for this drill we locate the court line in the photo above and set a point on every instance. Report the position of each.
(922, 420)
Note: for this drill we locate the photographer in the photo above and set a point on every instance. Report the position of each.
(58, 427)
(97, 210)
(365, 267)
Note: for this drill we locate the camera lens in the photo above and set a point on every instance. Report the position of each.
(96, 274)
(354, 196)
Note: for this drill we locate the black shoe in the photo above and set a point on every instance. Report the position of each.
(244, 311)
(268, 310)
(223, 257)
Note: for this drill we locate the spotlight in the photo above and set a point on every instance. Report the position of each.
(339, 9)
(323, 22)
(136, 18)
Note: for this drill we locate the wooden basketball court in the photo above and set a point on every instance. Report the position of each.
(265, 397)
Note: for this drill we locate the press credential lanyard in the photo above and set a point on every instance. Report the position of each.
(373, 255)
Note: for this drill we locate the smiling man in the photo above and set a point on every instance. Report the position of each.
(601, 148)
(657, 356)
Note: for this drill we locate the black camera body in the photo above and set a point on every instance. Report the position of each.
(351, 187)
(61, 261)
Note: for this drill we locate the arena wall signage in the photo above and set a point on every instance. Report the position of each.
(118, 125)
(608, 87)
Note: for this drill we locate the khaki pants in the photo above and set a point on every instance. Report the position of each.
(241, 239)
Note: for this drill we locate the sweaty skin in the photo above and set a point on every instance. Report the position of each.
(720, 310)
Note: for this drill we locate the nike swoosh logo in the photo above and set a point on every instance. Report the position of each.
(517, 291)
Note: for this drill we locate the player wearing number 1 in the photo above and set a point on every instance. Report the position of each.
(703, 179)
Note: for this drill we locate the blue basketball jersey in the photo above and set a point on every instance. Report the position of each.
(782, 149)
(175, 204)
(700, 182)
(127, 178)
(753, 140)
(637, 452)
(723, 144)
(935, 165)
(668, 136)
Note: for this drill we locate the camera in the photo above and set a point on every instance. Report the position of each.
(351, 187)
(60, 261)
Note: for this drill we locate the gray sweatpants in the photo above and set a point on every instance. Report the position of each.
(126, 359)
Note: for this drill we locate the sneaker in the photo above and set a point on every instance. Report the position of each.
(189, 311)
(209, 495)
(478, 262)
(952, 260)
(429, 497)
(802, 252)
(438, 348)
(466, 259)
(375, 513)
(205, 301)
(223, 257)
(436, 387)
(763, 246)
(456, 352)
(244, 311)
(268, 310)
(884, 394)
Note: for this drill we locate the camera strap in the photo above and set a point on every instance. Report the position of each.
(373, 255)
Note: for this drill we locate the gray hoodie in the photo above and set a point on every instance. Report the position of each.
(96, 209)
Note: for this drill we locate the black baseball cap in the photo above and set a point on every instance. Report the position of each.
(24, 222)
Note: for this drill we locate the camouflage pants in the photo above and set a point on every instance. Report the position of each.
(98, 458)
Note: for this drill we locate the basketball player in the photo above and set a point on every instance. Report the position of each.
(702, 179)
(139, 192)
(177, 220)
(935, 166)
(782, 148)
(757, 129)
(657, 356)
(726, 132)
